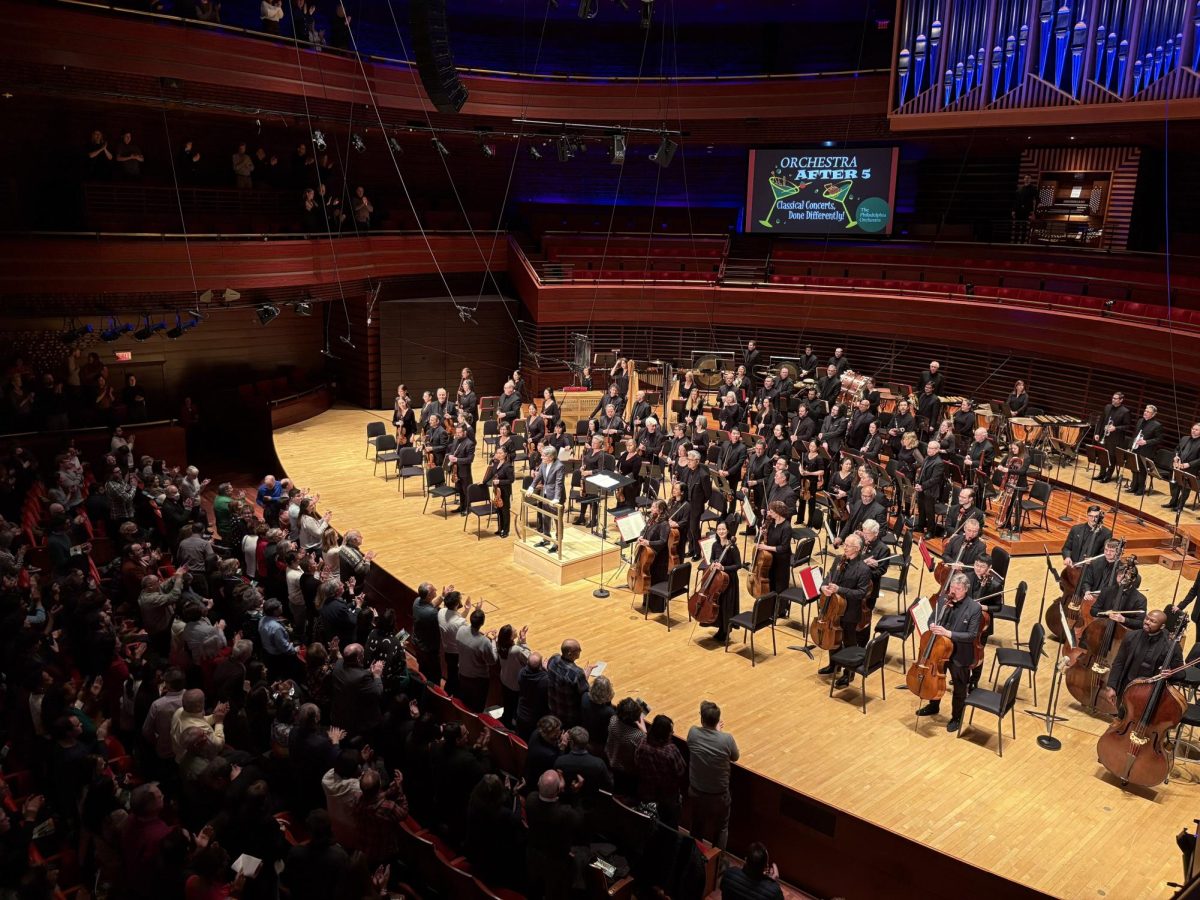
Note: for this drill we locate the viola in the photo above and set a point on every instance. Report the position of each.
(927, 675)
(703, 605)
(760, 573)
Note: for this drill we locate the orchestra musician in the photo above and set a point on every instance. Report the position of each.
(404, 420)
(436, 439)
(725, 557)
(730, 415)
(459, 456)
(595, 459)
(548, 482)
(933, 376)
(1086, 539)
(427, 410)
(988, 590)
(777, 540)
(978, 459)
(805, 428)
(508, 407)
(876, 556)
(1100, 573)
(956, 616)
(519, 386)
(742, 384)
(468, 403)
(808, 363)
(1142, 654)
(699, 436)
(781, 493)
(619, 376)
(732, 460)
(1017, 402)
(560, 440)
(966, 546)
(963, 508)
(768, 415)
(697, 485)
(585, 378)
(873, 445)
(610, 424)
(871, 395)
(946, 437)
(785, 385)
(654, 536)
(964, 421)
(833, 431)
(813, 471)
(694, 404)
(445, 408)
(677, 440)
(550, 410)
(678, 509)
(641, 412)
(1122, 594)
(829, 385)
(903, 421)
(865, 507)
(613, 398)
(1189, 598)
(727, 387)
(1014, 472)
(630, 465)
(852, 579)
(651, 441)
(859, 425)
(778, 442)
(928, 485)
(1186, 459)
(839, 361)
(464, 377)
(929, 409)
(1145, 445)
(508, 441)
(535, 431)
(758, 473)
(500, 475)
(1113, 428)
(751, 359)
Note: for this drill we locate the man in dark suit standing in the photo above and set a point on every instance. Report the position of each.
(1145, 445)
(732, 460)
(549, 483)
(957, 617)
(445, 407)
(931, 375)
(459, 456)
(928, 484)
(697, 488)
(508, 408)
(555, 826)
(1112, 430)
(1142, 654)
(965, 508)
(929, 409)
(1187, 459)
(864, 508)
(859, 425)
(751, 359)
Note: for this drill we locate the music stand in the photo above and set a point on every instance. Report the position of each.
(1186, 482)
(1066, 516)
(606, 483)
(1048, 741)
(1099, 457)
(1126, 459)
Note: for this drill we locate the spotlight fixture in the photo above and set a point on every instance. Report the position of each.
(73, 334)
(647, 13)
(588, 9)
(665, 153)
(357, 142)
(266, 313)
(534, 153)
(114, 331)
(618, 149)
(206, 297)
(489, 150)
(566, 149)
(318, 138)
(395, 145)
(232, 296)
(440, 147)
(182, 327)
(302, 308)
(148, 330)
(345, 339)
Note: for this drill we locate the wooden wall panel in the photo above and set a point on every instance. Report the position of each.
(424, 344)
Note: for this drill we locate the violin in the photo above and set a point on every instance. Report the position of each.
(703, 605)
(927, 675)
(1134, 747)
(643, 558)
(1070, 602)
(497, 496)
(827, 630)
(760, 573)
(430, 458)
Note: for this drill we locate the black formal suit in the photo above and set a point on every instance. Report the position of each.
(1097, 575)
(469, 404)
(758, 471)
(463, 450)
(808, 365)
(697, 488)
(964, 424)
(1084, 542)
(857, 428)
(929, 408)
(901, 423)
(871, 447)
(509, 408)
(841, 363)
(656, 536)
(1188, 451)
(1114, 598)
(853, 578)
(1016, 404)
(1120, 419)
(448, 412)
(1142, 655)
(964, 551)
(982, 454)
(751, 359)
(589, 506)
(436, 441)
(962, 620)
(859, 513)
(733, 460)
(785, 494)
(926, 377)
(957, 513)
(833, 432)
(1150, 433)
(829, 389)
(932, 479)
(652, 443)
(641, 412)
(617, 403)
(535, 431)
(779, 538)
(731, 417)
(804, 431)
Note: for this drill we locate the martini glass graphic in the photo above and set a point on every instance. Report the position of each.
(782, 189)
(838, 193)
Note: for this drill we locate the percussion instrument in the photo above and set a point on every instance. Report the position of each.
(1026, 431)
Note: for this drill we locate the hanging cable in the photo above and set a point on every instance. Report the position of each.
(187, 248)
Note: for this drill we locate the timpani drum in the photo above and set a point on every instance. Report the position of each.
(985, 420)
(1026, 430)
(887, 404)
(1069, 435)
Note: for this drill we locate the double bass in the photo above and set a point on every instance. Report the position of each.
(703, 605)
(927, 675)
(1134, 748)
(760, 571)
(1070, 602)
(1008, 492)
(1098, 638)
(643, 558)
(827, 629)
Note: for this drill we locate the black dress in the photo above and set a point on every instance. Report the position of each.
(405, 424)
(731, 598)
(779, 537)
(656, 537)
(631, 466)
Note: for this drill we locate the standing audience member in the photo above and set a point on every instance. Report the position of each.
(711, 751)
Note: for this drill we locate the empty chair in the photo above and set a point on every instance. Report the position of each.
(435, 486)
(374, 431)
(761, 616)
(899, 583)
(676, 585)
(902, 627)
(1038, 501)
(1022, 659)
(479, 504)
(491, 435)
(385, 452)
(801, 557)
(717, 509)
(1012, 613)
(408, 465)
(1000, 561)
(999, 703)
(863, 661)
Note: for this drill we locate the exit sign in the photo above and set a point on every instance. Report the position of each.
(123, 355)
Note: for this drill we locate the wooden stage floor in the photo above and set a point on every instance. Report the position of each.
(1054, 821)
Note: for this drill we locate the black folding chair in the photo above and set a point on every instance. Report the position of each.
(479, 504)
(435, 486)
(761, 616)
(863, 661)
(676, 585)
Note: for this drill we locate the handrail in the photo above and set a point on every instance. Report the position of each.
(234, 236)
(470, 70)
(290, 397)
(85, 430)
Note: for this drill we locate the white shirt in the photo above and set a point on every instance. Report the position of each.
(250, 554)
(294, 594)
(449, 621)
(311, 530)
(271, 13)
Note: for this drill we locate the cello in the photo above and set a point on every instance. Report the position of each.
(927, 675)
(1134, 747)
(760, 572)
(943, 570)
(643, 558)
(703, 605)
(827, 629)
(1009, 491)
(674, 538)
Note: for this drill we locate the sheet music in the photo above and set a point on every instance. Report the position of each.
(631, 525)
(921, 613)
(706, 546)
(748, 512)
(600, 480)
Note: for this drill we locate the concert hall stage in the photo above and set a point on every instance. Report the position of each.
(1044, 819)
